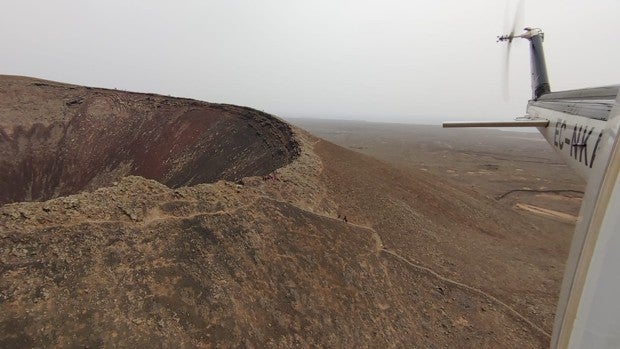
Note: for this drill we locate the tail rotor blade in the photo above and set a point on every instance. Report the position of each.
(506, 73)
(517, 21)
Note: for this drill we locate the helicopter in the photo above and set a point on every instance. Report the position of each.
(582, 126)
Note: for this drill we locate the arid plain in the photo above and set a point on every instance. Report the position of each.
(516, 167)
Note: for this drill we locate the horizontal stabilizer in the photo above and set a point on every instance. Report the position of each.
(519, 123)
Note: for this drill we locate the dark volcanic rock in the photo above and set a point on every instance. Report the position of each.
(58, 139)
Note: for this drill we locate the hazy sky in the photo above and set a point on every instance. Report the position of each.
(404, 61)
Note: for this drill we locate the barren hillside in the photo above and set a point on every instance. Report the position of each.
(266, 260)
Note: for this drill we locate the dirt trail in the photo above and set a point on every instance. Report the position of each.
(379, 247)
(429, 271)
(460, 237)
(565, 217)
(553, 191)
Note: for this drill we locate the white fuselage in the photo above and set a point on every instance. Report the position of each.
(577, 139)
(588, 309)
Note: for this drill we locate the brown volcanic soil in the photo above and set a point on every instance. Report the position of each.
(58, 139)
(422, 262)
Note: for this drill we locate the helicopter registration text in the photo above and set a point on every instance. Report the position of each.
(583, 141)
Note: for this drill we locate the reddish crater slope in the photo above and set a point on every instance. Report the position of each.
(58, 139)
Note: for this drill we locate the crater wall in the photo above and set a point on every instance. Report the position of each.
(58, 139)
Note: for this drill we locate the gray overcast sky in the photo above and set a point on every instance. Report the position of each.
(403, 61)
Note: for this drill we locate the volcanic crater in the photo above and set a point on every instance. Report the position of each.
(83, 138)
(336, 249)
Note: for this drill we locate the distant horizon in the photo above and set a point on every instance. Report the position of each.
(319, 119)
